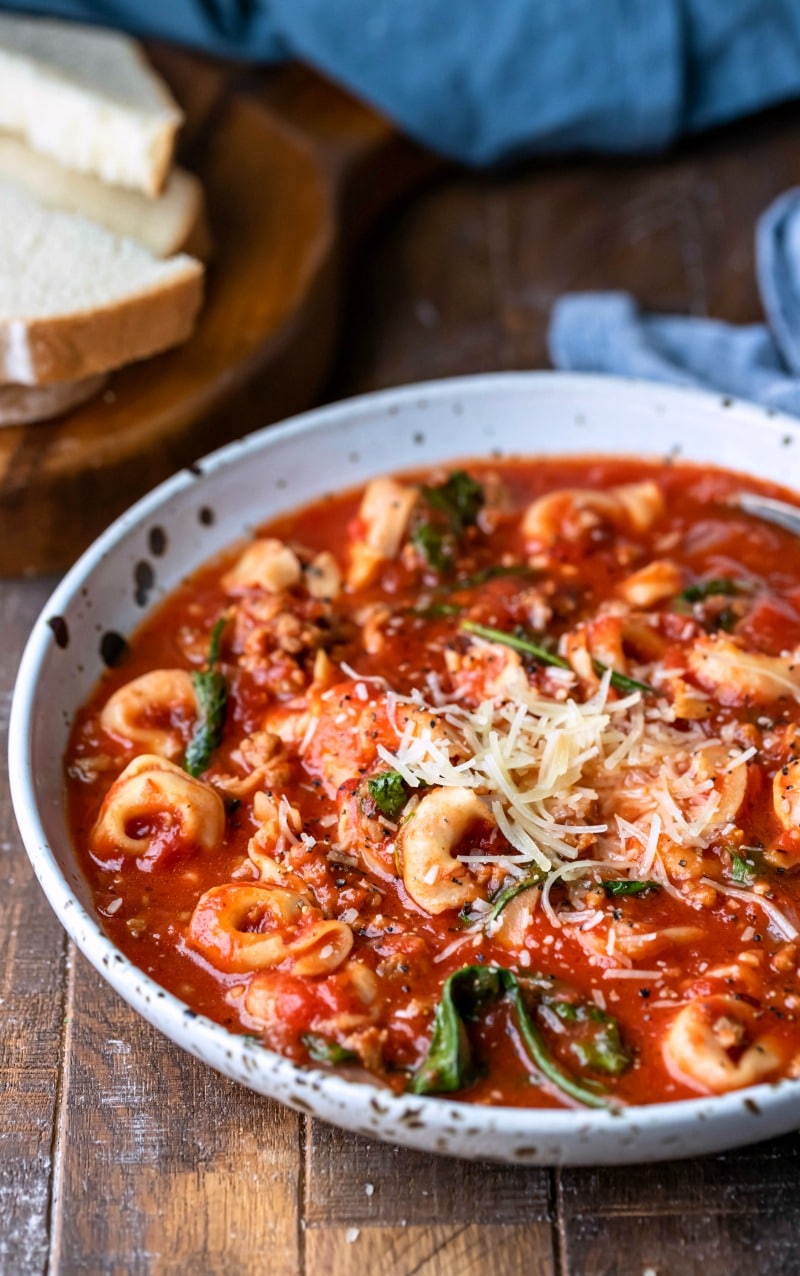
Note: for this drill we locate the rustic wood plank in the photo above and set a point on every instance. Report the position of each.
(420, 302)
(163, 1164)
(692, 1217)
(466, 1249)
(32, 976)
(766, 1179)
(387, 1208)
(694, 1246)
(355, 1181)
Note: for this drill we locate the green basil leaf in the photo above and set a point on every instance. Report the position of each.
(459, 498)
(215, 642)
(434, 546)
(597, 1043)
(565, 1010)
(741, 871)
(726, 620)
(712, 588)
(505, 896)
(436, 610)
(493, 573)
(450, 1064)
(389, 792)
(543, 1060)
(620, 681)
(322, 1050)
(524, 645)
(625, 886)
(211, 694)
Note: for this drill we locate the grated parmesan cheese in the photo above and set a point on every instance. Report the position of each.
(776, 917)
(742, 758)
(644, 975)
(453, 948)
(560, 777)
(308, 734)
(286, 817)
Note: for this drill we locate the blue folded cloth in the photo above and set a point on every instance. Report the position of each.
(607, 332)
(484, 82)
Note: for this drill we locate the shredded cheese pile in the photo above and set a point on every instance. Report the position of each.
(560, 776)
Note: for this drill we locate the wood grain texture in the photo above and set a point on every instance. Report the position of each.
(466, 1249)
(375, 1207)
(32, 1003)
(285, 159)
(162, 1164)
(355, 1181)
(678, 1217)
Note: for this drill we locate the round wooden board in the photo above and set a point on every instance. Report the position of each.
(284, 157)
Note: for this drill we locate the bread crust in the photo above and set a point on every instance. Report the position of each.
(74, 346)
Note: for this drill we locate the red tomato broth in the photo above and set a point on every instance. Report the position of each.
(394, 935)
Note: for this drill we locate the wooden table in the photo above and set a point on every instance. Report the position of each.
(119, 1153)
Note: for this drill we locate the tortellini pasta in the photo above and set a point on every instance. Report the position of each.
(153, 798)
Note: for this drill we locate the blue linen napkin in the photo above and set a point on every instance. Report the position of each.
(607, 332)
(484, 82)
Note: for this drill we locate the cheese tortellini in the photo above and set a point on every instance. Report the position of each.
(153, 798)
(149, 712)
(252, 927)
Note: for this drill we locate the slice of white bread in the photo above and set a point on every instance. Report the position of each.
(76, 299)
(24, 404)
(165, 224)
(88, 99)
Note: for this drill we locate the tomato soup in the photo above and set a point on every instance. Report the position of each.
(483, 781)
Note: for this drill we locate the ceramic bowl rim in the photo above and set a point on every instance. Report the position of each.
(201, 1036)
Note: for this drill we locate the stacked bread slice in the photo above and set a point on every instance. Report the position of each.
(92, 215)
(171, 222)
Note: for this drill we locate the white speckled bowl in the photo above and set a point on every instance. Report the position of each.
(152, 547)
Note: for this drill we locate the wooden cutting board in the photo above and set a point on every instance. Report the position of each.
(294, 172)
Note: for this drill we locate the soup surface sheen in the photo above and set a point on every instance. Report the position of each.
(485, 781)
